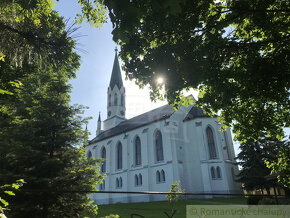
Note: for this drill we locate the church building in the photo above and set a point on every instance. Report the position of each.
(151, 151)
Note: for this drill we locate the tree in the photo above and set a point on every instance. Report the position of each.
(42, 142)
(41, 137)
(29, 30)
(6, 190)
(253, 158)
(173, 197)
(282, 165)
(236, 53)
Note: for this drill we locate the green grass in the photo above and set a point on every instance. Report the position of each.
(156, 209)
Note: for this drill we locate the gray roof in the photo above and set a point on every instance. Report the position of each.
(157, 114)
(194, 113)
(116, 78)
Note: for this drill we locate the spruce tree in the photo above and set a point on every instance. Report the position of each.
(253, 158)
(42, 141)
(41, 136)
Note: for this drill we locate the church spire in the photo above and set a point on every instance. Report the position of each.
(116, 110)
(99, 128)
(99, 120)
(116, 78)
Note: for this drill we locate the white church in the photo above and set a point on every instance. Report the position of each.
(151, 151)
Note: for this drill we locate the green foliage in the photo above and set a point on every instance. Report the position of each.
(234, 52)
(253, 158)
(6, 190)
(111, 216)
(173, 197)
(42, 136)
(93, 12)
(282, 165)
(42, 141)
(32, 30)
(155, 209)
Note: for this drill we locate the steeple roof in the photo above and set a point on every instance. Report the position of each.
(116, 78)
(99, 120)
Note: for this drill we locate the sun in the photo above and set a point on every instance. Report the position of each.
(160, 80)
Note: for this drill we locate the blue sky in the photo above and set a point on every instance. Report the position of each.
(96, 48)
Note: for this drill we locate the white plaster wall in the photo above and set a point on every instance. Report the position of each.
(186, 158)
(147, 169)
(116, 116)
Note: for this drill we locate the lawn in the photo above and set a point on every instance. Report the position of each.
(155, 209)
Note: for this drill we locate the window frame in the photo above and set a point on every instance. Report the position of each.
(122, 100)
(117, 183)
(136, 180)
(212, 173)
(137, 156)
(158, 146)
(110, 100)
(140, 179)
(119, 156)
(158, 177)
(218, 173)
(115, 99)
(103, 155)
(211, 143)
(163, 176)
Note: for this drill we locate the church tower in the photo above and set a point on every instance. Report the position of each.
(115, 97)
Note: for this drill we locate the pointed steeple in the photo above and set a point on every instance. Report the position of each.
(99, 127)
(116, 78)
(116, 110)
(99, 120)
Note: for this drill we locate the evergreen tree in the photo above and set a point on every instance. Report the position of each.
(253, 158)
(41, 135)
(281, 166)
(41, 142)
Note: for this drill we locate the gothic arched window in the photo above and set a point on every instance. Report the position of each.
(122, 100)
(103, 185)
(119, 156)
(140, 179)
(117, 183)
(120, 182)
(115, 99)
(136, 180)
(162, 176)
(158, 180)
(227, 145)
(137, 151)
(211, 144)
(212, 171)
(103, 155)
(158, 146)
(109, 100)
(218, 173)
(89, 155)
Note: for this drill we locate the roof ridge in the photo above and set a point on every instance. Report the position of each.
(156, 118)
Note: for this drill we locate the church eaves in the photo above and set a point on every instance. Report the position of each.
(155, 115)
(116, 78)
